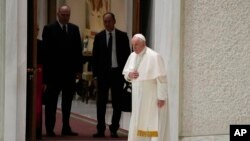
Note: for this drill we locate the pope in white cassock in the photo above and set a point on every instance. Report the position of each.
(145, 69)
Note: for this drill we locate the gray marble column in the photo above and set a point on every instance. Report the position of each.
(2, 46)
(14, 69)
(166, 36)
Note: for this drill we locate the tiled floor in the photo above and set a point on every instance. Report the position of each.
(89, 110)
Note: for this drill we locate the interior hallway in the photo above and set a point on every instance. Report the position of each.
(89, 110)
(84, 115)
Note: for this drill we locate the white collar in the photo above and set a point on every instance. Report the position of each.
(143, 51)
(62, 24)
(112, 32)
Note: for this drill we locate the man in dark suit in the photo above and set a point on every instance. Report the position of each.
(62, 66)
(110, 52)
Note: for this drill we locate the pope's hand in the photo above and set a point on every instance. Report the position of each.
(133, 74)
(160, 103)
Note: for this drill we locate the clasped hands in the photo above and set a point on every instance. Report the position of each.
(133, 74)
(160, 103)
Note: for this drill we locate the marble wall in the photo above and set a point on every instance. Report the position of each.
(216, 62)
(207, 138)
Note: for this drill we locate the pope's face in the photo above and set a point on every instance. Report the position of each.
(138, 45)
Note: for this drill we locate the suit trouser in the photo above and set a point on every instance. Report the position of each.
(114, 81)
(67, 87)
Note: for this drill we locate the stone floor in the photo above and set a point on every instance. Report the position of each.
(89, 110)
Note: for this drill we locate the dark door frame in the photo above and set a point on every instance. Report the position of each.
(32, 67)
(136, 16)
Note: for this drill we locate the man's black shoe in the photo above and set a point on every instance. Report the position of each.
(51, 134)
(69, 133)
(98, 135)
(113, 134)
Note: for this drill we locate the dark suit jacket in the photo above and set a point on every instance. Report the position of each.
(100, 53)
(62, 52)
(40, 51)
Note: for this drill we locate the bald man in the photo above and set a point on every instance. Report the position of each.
(145, 69)
(62, 65)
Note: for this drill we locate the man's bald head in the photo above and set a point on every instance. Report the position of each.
(63, 14)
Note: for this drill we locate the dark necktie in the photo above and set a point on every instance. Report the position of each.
(110, 48)
(64, 28)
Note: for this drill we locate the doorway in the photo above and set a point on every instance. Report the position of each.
(50, 16)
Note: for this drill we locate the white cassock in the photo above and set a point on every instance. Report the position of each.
(148, 121)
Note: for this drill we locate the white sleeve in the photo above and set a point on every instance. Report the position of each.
(126, 69)
(162, 88)
(127, 77)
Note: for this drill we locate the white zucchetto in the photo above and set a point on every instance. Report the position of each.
(138, 35)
